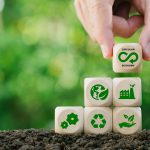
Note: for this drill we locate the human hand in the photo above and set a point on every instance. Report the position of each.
(126, 124)
(104, 19)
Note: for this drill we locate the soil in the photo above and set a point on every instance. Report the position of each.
(48, 140)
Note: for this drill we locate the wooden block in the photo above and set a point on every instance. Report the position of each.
(68, 120)
(127, 57)
(97, 120)
(97, 92)
(127, 120)
(127, 92)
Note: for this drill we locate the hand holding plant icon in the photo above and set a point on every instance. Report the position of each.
(129, 123)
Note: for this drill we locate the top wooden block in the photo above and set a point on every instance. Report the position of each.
(127, 57)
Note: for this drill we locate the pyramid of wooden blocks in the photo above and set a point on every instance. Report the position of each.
(127, 57)
(98, 117)
(100, 94)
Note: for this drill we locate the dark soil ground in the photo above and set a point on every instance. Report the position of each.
(48, 140)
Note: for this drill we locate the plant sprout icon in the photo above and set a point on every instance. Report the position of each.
(130, 121)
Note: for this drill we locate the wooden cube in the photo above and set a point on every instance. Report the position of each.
(127, 92)
(97, 120)
(127, 120)
(68, 120)
(97, 92)
(127, 57)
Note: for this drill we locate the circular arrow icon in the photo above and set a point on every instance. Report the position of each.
(128, 56)
(94, 121)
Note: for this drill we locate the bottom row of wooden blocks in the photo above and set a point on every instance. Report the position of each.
(97, 120)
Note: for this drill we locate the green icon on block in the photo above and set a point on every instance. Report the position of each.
(64, 125)
(94, 121)
(99, 92)
(72, 119)
(128, 56)
(127, 94)
(130, 122)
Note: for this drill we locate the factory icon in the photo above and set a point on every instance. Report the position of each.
(127, 94)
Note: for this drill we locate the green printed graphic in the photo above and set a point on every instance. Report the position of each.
(94, 121)
(128, 57)
(64, 125)
(130, 122)
(99, 92)
(72, 119)
(127, 94)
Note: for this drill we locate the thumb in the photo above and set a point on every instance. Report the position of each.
(145, 35)
(101, 17)
(145, 42)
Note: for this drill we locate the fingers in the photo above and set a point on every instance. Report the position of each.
(96, 17)
(101, 16)
(123, 25)
(126, 28)
(145, 42)
(122, 10)
(83, 15)
(145, 34)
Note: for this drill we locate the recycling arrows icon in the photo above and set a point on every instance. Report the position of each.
(94, 121)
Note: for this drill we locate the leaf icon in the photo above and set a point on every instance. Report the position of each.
(125, 116)
(103, 95)
(131, 118)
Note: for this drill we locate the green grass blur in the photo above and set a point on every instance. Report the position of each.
(44, 57)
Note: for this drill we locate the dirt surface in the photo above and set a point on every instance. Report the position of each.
(48, 140)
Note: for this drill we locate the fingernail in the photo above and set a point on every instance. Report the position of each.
(106, 51)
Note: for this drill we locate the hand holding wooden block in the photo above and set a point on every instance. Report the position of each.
(127, 57)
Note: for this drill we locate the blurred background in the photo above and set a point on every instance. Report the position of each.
(44, 57)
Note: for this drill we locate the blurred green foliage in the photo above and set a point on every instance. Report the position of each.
(44, 57)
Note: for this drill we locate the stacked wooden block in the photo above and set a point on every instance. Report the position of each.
(110, 104)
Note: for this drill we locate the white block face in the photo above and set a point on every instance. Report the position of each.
(127, 57)
(97, 92)
(127, 120)
(127, 92)
(97, 120)
(68, 120)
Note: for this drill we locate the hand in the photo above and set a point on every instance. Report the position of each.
(104, 19)
(126, 124)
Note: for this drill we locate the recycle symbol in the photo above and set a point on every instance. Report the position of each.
(98, 125)
(72, 119)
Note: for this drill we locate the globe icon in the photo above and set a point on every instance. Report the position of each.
(99, 92)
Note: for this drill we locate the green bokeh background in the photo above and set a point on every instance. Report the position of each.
(44, 57)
